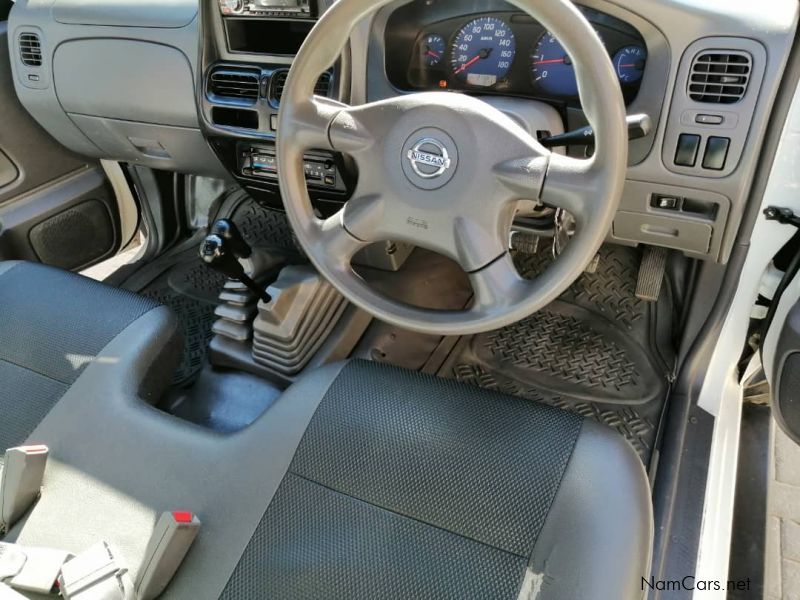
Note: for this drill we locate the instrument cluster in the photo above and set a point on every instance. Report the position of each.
(505, 52)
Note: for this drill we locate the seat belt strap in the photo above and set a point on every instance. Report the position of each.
(20, 482)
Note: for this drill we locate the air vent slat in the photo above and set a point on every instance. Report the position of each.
(720, 77)
(238, 84)
(30, 49)
(278, 83)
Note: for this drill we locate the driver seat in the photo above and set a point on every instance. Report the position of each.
(361, 481)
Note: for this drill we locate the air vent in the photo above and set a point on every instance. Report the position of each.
(238, 84)
(322, 88)
(276, 85)
(720, 77)
(30, 50)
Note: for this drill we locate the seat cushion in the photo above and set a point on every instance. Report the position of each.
(361, 481)
(407, 486)
(52, 325)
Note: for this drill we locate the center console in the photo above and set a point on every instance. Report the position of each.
(248, 49)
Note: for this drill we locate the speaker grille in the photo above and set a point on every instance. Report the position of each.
(76, 237)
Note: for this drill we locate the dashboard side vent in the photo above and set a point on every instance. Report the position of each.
(323, 87)
(232, 83)
(276, 85)
(278, 82)
(30, 49)
(720, 76)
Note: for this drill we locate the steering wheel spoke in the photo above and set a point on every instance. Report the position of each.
(337, 243)
(568, 185)
(497, 286)
(312, 121)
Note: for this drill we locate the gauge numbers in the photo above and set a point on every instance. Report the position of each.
(552, 69)
(483, 51)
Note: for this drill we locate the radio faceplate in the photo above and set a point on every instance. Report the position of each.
(322, 172)
(276, 9)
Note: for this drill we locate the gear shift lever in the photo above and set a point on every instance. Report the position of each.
(217, 253)
(227, 230)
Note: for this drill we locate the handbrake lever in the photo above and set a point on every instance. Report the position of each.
(638, 127)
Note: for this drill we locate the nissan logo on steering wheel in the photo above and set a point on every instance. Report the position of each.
(429, 158)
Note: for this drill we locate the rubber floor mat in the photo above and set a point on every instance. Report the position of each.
(196, 317)
(598, 350)
(186, 285)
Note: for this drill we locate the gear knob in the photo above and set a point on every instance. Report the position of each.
(217, 254)
(227, 230)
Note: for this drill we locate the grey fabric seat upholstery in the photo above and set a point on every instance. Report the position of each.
(361, 481)
(53, 324)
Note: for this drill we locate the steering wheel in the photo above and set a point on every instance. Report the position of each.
(445, 171)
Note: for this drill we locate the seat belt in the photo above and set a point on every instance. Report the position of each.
(100, 573)
(21, 477)
(96, 574)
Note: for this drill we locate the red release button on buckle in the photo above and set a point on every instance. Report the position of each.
(182, 516)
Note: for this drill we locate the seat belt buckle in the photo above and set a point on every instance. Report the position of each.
(30, 569)
(97, 574)
(20, 482)
(169, 543)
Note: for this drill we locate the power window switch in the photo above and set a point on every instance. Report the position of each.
(688, 146)
(716, 153)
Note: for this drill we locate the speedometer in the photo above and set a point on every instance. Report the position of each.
(483, 51)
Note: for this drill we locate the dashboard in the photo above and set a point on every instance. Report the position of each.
(194, 86)
(501, 52)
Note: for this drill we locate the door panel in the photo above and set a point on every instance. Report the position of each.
(55, 206)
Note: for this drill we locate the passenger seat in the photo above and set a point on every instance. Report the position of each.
(53, 324)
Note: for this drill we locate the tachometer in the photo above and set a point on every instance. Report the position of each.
(483, 51)
(629, 63)
(552, 68)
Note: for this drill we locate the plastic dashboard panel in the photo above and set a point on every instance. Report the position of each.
(710, 204)
(117, 79)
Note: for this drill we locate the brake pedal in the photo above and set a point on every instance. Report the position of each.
(651, 274)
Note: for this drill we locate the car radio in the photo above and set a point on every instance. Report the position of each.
(321, 169)
(281, 9)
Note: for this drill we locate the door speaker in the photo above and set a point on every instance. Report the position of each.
(77, 237)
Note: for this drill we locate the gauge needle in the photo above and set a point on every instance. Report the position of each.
(551, 61)
(430, 52)
(483, 54)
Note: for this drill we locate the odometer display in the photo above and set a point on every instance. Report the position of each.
(483, 51)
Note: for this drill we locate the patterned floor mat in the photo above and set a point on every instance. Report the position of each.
(191, 289)
(593, 351)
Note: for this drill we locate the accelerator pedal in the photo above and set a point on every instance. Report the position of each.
(651, 274)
